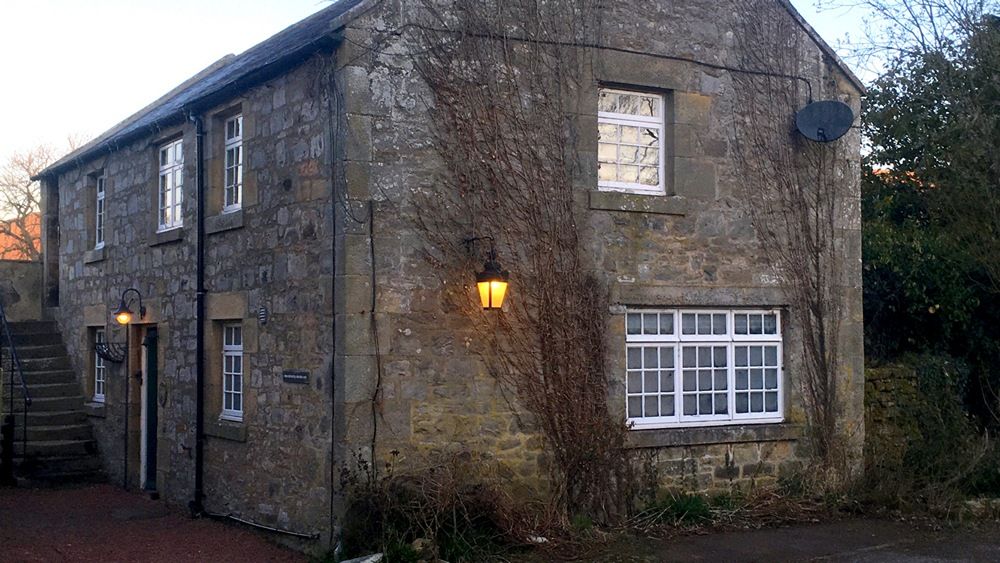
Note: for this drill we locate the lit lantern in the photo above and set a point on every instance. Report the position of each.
(123, 314)
(492, 282)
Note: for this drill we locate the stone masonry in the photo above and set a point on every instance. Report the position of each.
(694, 247)
(324, 255)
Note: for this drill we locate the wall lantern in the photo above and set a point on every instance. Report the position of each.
(123, 314)
(492, 281)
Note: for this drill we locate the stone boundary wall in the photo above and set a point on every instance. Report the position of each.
(21, 289)
(890, 394)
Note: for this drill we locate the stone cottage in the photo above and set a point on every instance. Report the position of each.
(287, 307)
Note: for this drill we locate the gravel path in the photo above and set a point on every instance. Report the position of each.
(104, 523)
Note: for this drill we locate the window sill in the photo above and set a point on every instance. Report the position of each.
(95, 255)
(226, 430)
(225, 221)
(636, 203)
(705, 435)
(167, 237)
(95, 409)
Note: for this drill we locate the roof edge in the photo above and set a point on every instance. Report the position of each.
(110, 138)
(824, 46)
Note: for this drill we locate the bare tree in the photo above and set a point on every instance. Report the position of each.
(505, 78)
(911, 27)
(20, 200)
(792, 194)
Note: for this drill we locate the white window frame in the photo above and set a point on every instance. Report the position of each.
(233, 159)
(100, 368)
(100, 212)
(170, 185)
(658, 123)
(730, 341)
(231, 349)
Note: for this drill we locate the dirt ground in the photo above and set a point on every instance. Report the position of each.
(104, 523)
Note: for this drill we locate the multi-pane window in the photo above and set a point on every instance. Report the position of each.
(171, 187)
(232, 372)
(630, 141)
(700, 367)
(100, 368)
(99, 212)
(234, 164)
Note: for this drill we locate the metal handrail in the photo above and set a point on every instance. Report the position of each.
(15, 368)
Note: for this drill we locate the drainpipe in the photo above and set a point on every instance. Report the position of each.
(197, 505)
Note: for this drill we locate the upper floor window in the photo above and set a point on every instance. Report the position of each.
(232, 372)
(630, 151)
(234, 164)
(99, 212)
(171, 186)
(703, 367)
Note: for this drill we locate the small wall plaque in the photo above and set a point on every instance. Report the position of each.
(295, 376)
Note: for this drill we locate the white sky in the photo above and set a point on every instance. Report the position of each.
(77, 67)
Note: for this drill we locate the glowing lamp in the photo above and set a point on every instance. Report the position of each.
(123, 314)
(492, 282)
(123, 317)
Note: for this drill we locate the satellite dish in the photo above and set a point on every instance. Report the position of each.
(824, 121)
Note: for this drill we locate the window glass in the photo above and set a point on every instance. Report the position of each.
(630, 152)
(723, 367)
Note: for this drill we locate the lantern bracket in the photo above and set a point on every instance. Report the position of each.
(125, 304)
(491, 254)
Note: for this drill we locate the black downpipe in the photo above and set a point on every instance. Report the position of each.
(197, 505)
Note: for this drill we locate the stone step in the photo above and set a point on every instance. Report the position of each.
(56, 448)
(39, 390)
(39, 351)
(49, 376)
(36, 339)
(52, 404)
(78, 431)
(58, 478)
(51, 363)
(34, 327)
(54, 418)
(60, 469)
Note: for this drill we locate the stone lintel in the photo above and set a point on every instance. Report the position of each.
(95, 409)
(95, 255)
(224, 222)
(655, 204)
(232, 431)
(166, 237)
(737, 434)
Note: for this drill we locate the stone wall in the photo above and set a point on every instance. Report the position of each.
(891, 401)
(21, 289)
(694, 247)
(275, 254)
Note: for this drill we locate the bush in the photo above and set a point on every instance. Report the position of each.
(922, 446)
(452, 510)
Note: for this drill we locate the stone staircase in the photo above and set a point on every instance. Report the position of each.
(60, 445)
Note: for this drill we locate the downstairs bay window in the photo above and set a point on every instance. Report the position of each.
(694, 367)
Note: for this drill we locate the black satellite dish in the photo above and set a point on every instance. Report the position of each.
(824, 121)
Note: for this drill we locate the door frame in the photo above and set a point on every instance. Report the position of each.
(148, 407)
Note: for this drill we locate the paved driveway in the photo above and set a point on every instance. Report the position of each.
(107, 524)
(856, 540)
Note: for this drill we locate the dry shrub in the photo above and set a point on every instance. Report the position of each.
(504, 78)
(458, 506)
(795, 199)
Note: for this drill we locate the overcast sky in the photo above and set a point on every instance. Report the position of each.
(77, 67)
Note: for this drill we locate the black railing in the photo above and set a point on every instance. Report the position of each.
(12, 369)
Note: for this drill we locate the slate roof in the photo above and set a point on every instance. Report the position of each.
(226, 76)
(234, 73)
